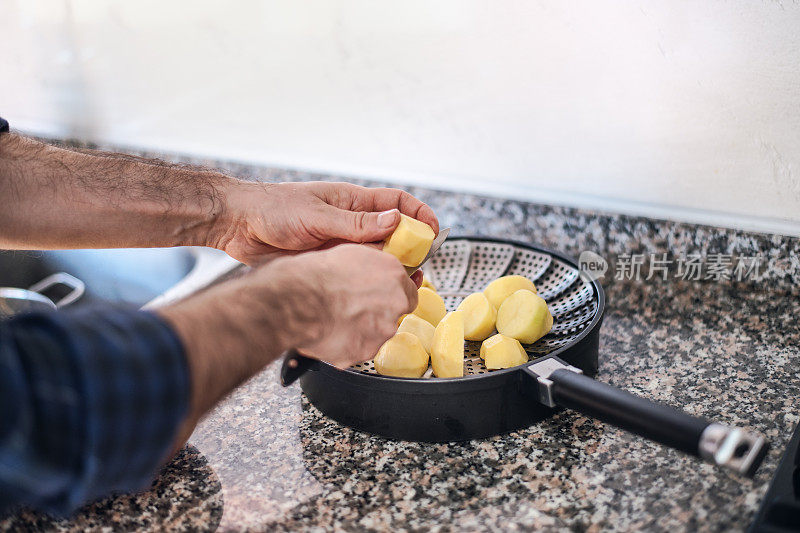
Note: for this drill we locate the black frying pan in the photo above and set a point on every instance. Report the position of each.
(485, 403)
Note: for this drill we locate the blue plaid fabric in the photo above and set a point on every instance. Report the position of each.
(90, 402)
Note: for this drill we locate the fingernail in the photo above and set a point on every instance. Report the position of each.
(387, 218)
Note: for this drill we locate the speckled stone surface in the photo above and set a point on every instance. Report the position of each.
(187, 496)
(726, 350)
(283, 465)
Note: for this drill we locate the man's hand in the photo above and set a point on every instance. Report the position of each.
(262, 221)
(337, 305)
(86, 199)
(343, 304)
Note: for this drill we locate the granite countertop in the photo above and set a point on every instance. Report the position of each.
(265, 459)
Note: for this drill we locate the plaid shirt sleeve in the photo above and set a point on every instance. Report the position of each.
(90, 402)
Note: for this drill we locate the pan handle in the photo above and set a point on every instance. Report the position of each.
(729, 447)
(61, 278)
(295, 365)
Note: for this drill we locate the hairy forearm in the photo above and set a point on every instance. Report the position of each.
(309, 302)
(56, 198)
(229, 333)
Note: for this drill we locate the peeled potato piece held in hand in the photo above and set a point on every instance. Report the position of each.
(503, 287)
(430, 306)
(499, 351)
(420, 328)
(410, 241)
(524, 316)
(479, 316)
(447, 352)
(402, 356)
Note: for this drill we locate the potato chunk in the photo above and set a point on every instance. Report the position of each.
(447, 352)
(427, 283)
(420, 328)
(505, 286)
(430, 306)
(479, 316)
(499, 351)
(410, 241)
(524, 316)
(402, 356)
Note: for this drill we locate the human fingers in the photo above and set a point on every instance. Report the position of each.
(356, 226)
(377, 199)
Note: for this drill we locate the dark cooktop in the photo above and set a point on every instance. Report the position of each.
(780, 510)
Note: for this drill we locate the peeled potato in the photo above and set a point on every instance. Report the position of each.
(402, 356)
(524, 316)
(420, 328)
(410, 241)
(447, 352)
(505, 286)
(479, 316)
(430, 306)
(499, 351)
(427, 283)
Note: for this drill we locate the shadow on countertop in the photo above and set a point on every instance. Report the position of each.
(186, 496)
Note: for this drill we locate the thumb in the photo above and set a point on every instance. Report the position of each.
(362, 226)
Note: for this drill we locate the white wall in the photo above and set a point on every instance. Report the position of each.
(687, 110)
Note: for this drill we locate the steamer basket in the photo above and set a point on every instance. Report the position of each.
(464, 266)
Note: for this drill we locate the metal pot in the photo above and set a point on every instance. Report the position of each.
(15, 301)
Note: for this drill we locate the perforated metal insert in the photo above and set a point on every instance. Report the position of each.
(548, 344)
(448, 267)
(462, 267)
(577, 295)
(558, 276)
(487, 261)
(573, 321)
(529, 263)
